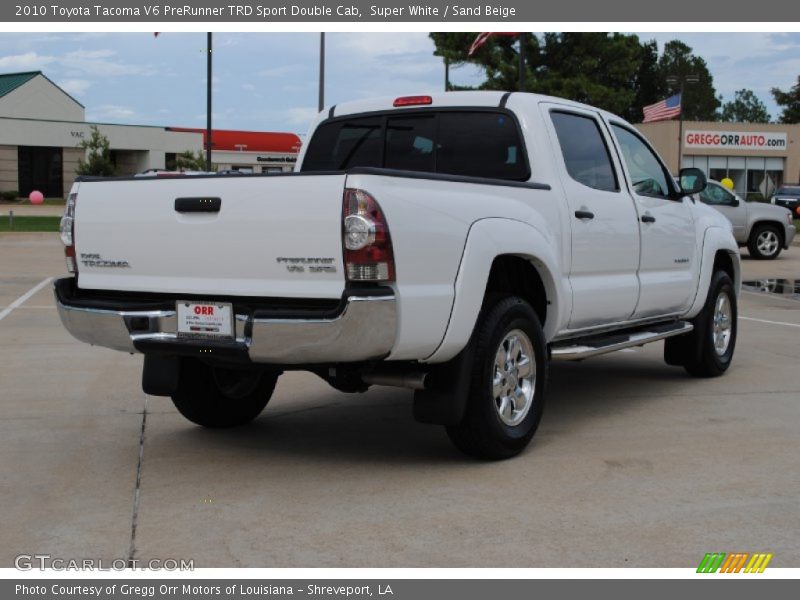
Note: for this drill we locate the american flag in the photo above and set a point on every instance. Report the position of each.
(483, 38)
(661, 111)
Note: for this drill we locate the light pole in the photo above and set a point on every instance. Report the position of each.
(321, 102)
(681, 80)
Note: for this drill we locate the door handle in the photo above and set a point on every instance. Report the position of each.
(648, 219)
(584, 214)
(195, 205)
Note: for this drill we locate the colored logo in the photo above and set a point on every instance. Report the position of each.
(738, 562)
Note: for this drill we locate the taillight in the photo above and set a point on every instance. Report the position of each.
(67, 230)
(367, 244)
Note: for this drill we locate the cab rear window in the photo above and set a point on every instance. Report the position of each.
(472, 143)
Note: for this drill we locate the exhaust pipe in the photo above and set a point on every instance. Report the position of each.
(411, 379)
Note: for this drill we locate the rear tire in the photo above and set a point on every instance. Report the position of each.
(765, 242)
(708, 350)
(218, 397)
(506, 394)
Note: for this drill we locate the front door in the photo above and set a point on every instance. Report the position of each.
(669, 259)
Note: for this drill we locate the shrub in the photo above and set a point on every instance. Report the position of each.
(9, 195)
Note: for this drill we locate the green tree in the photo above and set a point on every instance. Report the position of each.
(596, 68)
(650, 84)
(191, 161)
(699, 102)
(790, 101)
(613, 71)
(744, 108)
(499, 57)
(98, 155)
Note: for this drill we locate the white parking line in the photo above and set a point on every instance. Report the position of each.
(22, 299)
(781, 323)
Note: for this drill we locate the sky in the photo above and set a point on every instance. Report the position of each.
(269, 81)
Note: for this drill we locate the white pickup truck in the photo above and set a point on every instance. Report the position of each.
(454, 244)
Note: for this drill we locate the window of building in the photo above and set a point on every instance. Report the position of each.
(754, 177)
(42, 169)
(584, 149)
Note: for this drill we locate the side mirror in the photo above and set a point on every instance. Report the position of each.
(692, 180)
(734, 202)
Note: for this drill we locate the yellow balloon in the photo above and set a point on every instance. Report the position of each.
(728, 183)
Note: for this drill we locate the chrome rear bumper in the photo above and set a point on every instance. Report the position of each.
(364, 330)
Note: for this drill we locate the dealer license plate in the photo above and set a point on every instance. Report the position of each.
(205, 319)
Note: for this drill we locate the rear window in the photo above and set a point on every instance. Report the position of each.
(476, 144)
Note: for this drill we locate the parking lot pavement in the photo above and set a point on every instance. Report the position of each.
(634, 464)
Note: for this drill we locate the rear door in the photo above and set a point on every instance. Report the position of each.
(669, 262)
(605, 232)
(266, 236)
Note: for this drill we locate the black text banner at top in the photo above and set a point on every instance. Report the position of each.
(397, 11)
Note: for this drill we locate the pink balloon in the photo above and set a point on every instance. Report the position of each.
(36, 197)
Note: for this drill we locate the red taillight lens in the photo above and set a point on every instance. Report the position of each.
(368, 254)
(412, 100)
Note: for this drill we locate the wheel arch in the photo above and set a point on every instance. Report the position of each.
(719, 250)
(503, 256)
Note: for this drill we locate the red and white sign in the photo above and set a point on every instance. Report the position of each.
(200, 319)
(736, 140)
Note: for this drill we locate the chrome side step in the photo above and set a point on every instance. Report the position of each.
(593, 346)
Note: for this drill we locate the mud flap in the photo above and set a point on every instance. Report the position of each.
(160, 374)
(445, 398)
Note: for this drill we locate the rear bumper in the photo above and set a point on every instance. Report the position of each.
(364, 328)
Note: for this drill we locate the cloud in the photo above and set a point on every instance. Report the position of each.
(300, 116)
(101, 63)
(29, 61)
(75, 87)
(248, 87)
(110, 112)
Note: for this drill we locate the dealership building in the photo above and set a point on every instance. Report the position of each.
(757, 157)
(42, 127)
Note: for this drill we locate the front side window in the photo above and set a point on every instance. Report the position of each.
(470, 143)
(585, 153)
(648, 176)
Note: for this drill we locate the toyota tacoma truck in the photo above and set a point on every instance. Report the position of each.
(454, 244)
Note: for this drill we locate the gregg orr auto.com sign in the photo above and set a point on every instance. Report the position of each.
(751, 140)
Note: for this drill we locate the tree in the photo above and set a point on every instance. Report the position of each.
(744, 108)
(98, 158)
(595, 68)
(699, 102)
(613, 71)
(790, 101)
(191, 161)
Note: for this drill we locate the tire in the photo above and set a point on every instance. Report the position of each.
(484, 432)
(708, 350)
(216, 397)
(765, 242)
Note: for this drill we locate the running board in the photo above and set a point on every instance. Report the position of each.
(602, 344)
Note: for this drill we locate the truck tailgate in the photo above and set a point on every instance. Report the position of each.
(273, 236)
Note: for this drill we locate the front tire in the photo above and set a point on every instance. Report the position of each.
(506, 394)
(217, 397)
(765, 242)
(708, 350)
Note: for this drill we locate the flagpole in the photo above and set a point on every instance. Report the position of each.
(521, 62)
(680, 129)
(446, 74)
(321, 102)
(208, 104)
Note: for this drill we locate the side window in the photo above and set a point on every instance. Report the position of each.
(409, 143)
(648, 176)
(480, 144)
(585, 152)
(716, 195)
